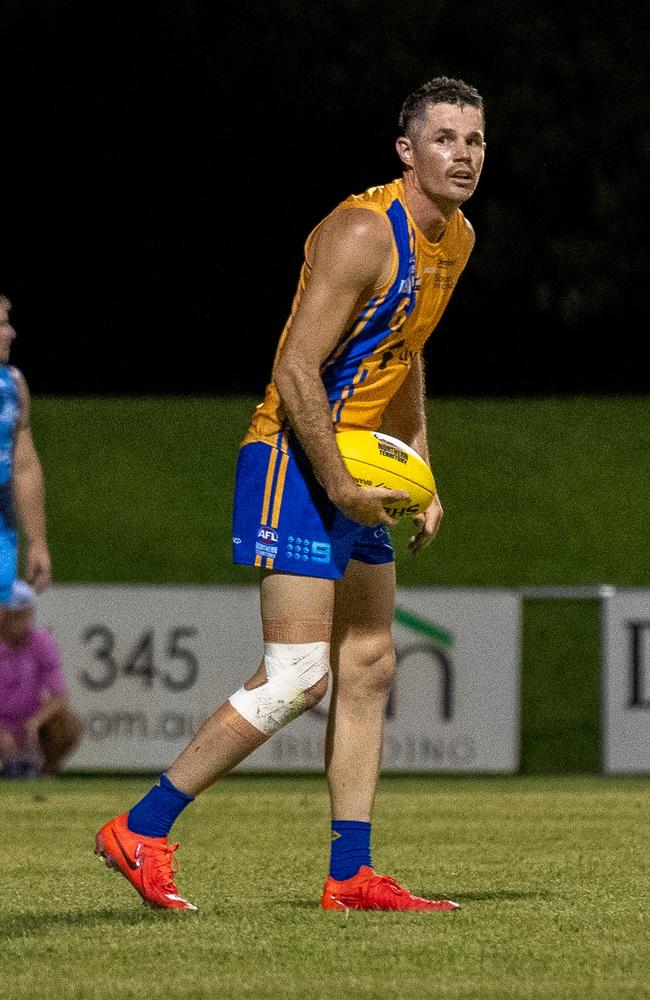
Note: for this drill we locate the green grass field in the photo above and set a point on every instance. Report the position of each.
(551, 875)
(536, 491)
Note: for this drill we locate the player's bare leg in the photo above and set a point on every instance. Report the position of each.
(296, 619)
(363, 665)
(294, 610)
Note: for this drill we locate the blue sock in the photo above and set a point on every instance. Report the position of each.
(154, 815)
(350, 848)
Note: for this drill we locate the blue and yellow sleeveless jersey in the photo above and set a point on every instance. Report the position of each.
(372, 358)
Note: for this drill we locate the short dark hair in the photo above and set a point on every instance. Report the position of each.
(440, 90)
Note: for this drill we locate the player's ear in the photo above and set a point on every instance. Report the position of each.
(404, 149)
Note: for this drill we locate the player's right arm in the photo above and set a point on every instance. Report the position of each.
(350, 257)
(29, 492)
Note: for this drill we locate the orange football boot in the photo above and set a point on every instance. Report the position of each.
(145, 861)
(369, 891)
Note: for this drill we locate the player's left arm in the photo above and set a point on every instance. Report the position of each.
(405, 418)
(29, 492)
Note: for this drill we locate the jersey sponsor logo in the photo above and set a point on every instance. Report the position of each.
(444, 281)
(404, 354)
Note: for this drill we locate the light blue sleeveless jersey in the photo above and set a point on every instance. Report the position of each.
(9, 413)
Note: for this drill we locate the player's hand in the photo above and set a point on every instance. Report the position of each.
(428, 522)
(367, 504)
(38, 566)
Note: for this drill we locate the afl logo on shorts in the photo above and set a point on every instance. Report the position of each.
(268, 536)
(267, 542)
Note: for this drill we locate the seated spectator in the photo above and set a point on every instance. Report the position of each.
(37, 726)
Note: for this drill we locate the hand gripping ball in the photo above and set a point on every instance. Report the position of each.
(375, 459)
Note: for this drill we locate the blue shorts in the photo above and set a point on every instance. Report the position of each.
(8, 562)
(284, 520)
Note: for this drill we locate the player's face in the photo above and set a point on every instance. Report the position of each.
(7, 334)
(446, 152)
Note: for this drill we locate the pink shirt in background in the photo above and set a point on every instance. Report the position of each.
(26, 675)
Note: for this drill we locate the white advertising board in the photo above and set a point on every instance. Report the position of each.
(145, 665)
(626, 681)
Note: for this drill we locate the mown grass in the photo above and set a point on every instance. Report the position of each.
(536, 491)
(551, 875)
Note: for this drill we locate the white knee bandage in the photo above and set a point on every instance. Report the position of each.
(291, 670)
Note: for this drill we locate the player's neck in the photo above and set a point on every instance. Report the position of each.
(430, 215)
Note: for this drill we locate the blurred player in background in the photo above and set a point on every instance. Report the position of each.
(37, 726)
(378, 274)
(21, 475)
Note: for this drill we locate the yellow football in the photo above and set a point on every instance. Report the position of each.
(375, 459)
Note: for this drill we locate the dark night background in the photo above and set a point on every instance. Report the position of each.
(163, 161)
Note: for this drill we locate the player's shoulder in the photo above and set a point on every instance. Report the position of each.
(355, 237)
(352, 246)
(357, 223)
(363, 216)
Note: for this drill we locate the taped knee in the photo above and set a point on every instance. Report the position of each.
(297, 675)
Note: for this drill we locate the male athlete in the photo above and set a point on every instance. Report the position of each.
(378, 274)
(21, 475)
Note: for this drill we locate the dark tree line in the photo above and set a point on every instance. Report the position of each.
(164, 160)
